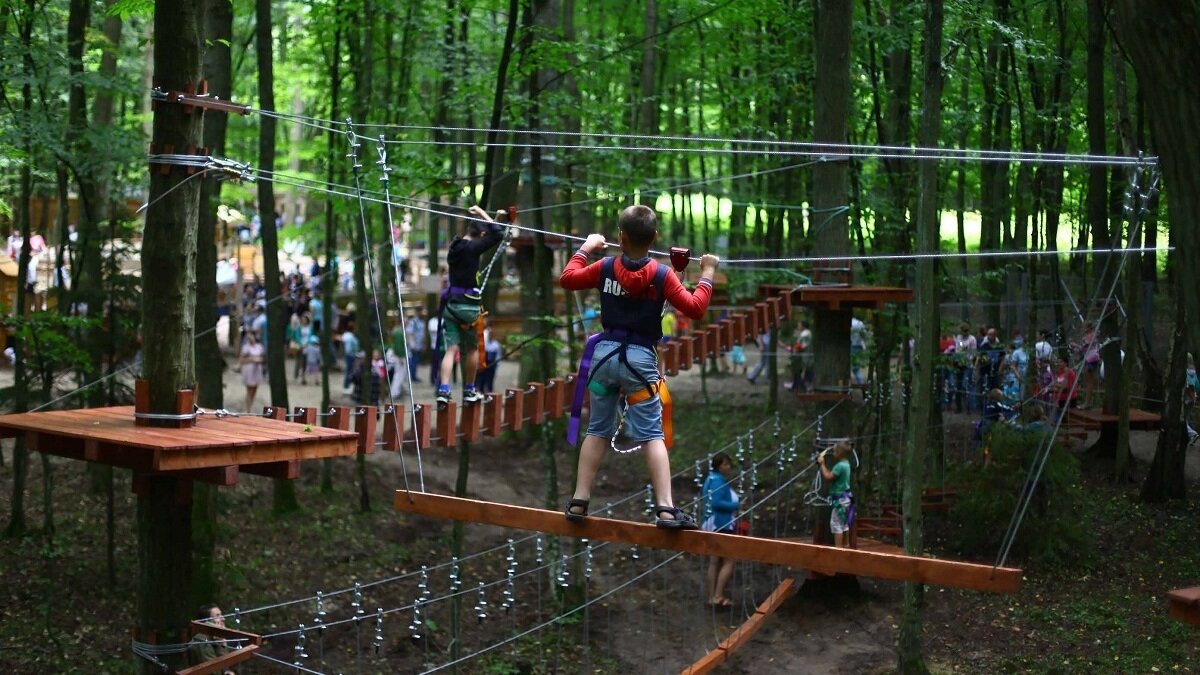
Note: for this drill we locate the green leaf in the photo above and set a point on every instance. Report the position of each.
(129, 8)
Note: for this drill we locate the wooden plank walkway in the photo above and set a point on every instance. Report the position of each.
(824, 559)
(742, 635)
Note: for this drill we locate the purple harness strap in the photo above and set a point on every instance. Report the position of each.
(581, 383)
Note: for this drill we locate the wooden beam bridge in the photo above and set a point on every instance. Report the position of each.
(824, 559)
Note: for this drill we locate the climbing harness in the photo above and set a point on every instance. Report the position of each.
(473, 294)
(649, 389)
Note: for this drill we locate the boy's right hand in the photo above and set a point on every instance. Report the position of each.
(595, 243)
(708, 263)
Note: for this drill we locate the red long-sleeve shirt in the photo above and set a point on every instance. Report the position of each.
(578, 275)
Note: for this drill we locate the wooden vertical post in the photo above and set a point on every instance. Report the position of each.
(469, 422)
(569, 392)
(774, 310)
(537, 402)
(338, 417)
(366, 428)
(670, 357)
(555, 393)
(274, 412)
(446, 430)
(304, 415)
(423, 422)
(786, 296)
(740, 328)
(493, 414)
(686, 345)
(514, 409)
(393, 427)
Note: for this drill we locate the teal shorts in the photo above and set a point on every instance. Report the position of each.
(459, 324)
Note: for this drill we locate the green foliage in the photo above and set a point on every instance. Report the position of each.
(131, 8)
(1052, 531)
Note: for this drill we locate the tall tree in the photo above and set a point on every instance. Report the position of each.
(284, 494)
(210, 364)
(168, 308)
(924, 400)
(1162, 40)
(831, 108)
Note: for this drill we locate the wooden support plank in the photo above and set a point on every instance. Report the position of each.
(514, 409)
(445, 431)
(222, 663)
(728, 340)
(568, 393)
(555, 392)
(424, 421)
(535, 401)
(764, 319)
(286, 469)
(225, 633)
(755, 327)
(393, 427)
(826, 559)
(493, 415)
(740, 330)
(217, 475)
(272, 412)
(468, 423)
(702, 350)
(365, 426)
(1184, 605)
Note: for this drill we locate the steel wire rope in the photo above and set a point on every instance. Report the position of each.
(907, 151)
(628, 498)
(1137, 214)
(384, 178)
(798, 259)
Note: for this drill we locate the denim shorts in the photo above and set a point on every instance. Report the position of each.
(643, 421)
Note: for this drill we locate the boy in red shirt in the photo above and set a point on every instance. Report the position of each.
(633, 288)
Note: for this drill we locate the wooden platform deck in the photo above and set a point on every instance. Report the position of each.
(1139, 420)
(109, 436)
(840, 296)
(824, 559)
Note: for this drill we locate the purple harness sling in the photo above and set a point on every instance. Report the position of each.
(581, 383)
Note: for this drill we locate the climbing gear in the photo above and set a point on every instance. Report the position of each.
(572, 514)
(678, 521)
(625, 337)
(845, 511)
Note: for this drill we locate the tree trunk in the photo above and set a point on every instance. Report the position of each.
(210, 364)
(490, 157)
(1164, 49)
(924, 401)
(168, 310)
(329, 278)
(831, 95)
